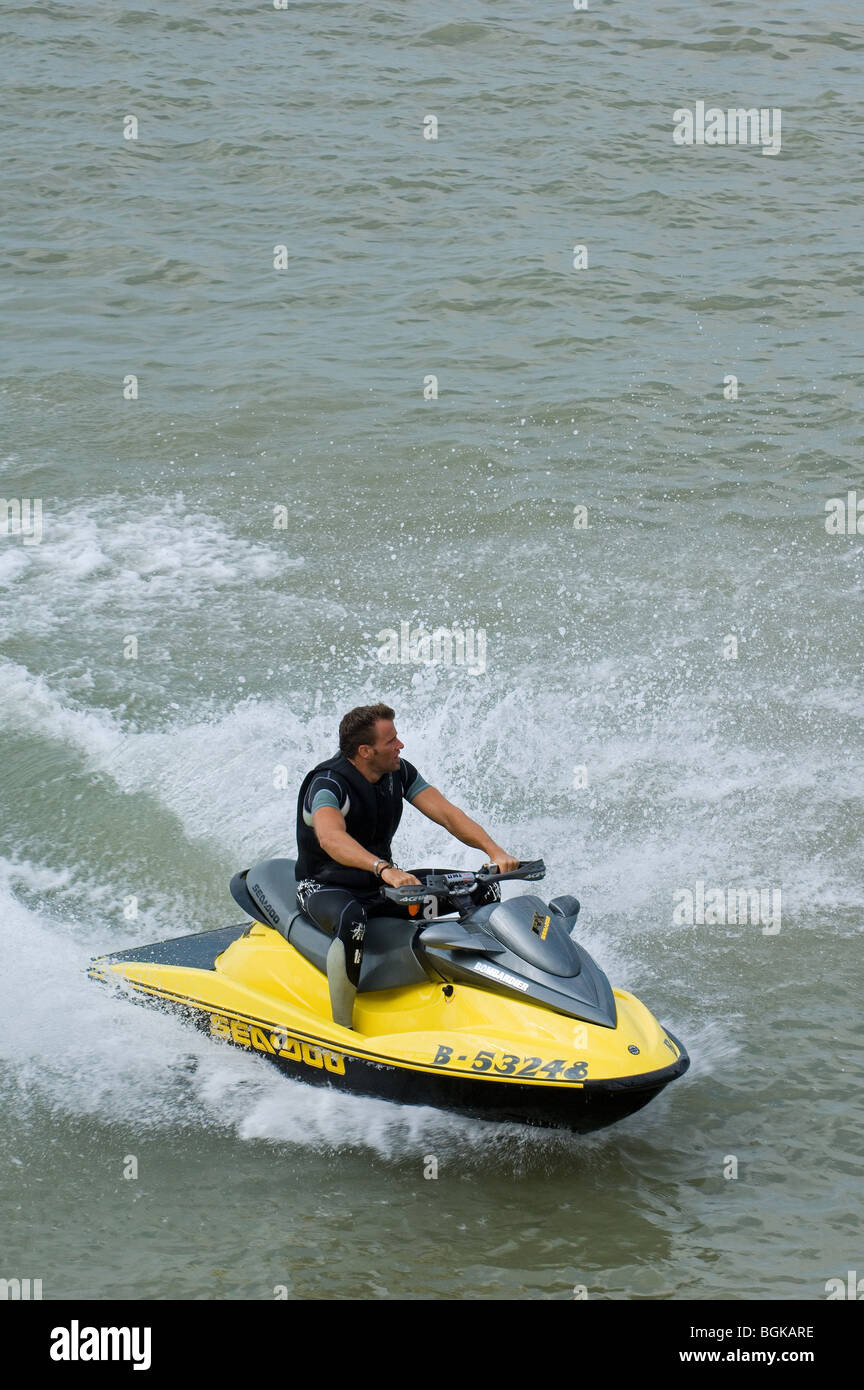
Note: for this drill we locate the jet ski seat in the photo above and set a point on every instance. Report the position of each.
(389, 961)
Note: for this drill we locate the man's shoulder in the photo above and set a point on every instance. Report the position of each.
(325, 774)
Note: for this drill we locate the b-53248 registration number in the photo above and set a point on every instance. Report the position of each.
(508, 1064)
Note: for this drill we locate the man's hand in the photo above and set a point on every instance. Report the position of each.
(504, 862)
(397, 878)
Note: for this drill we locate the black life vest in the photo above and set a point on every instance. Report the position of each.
(372, 816)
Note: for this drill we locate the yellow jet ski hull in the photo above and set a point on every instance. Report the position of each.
(454, 1046)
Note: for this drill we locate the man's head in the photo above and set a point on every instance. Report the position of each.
(367, 736)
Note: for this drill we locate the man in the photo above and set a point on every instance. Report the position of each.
(348, 810)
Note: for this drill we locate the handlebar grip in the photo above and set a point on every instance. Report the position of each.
(407, 893)
(530, 869)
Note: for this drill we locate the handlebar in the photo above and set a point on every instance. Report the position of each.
(445, 884)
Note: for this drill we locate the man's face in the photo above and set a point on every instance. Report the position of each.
(385, 750)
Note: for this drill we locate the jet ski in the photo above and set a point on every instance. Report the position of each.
(494, 1011)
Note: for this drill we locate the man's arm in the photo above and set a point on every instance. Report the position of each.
(462, 827)
(329, 825)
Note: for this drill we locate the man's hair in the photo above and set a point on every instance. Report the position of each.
(358, 726)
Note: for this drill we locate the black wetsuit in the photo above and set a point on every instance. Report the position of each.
(340, 899)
